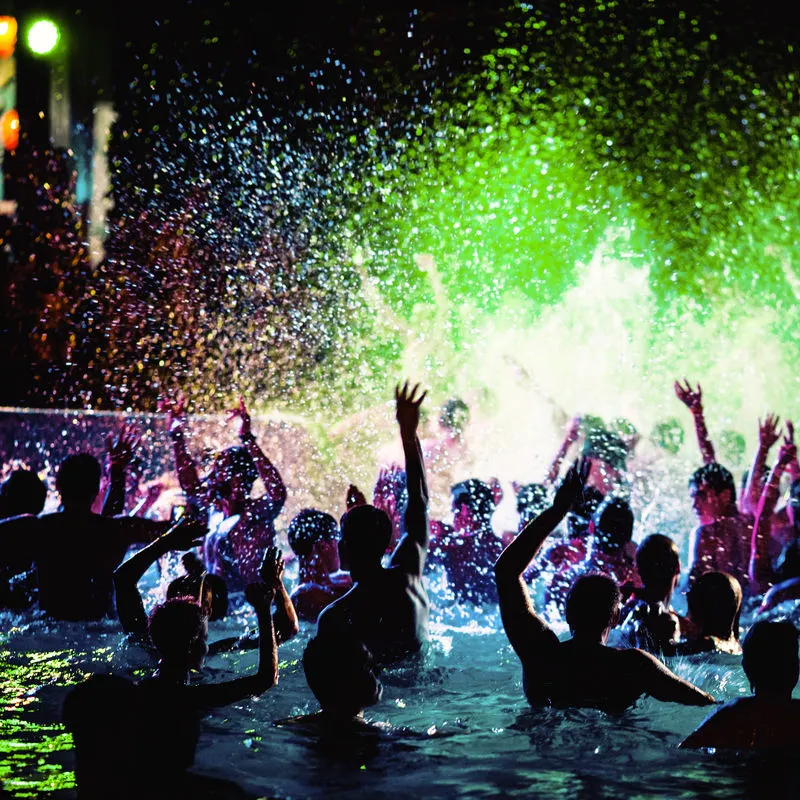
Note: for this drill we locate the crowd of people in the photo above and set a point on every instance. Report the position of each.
(363, 582)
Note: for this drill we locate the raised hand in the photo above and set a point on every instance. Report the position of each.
(242, 413)
(355, 497)
(788, 449)
(185, 535)
(175, 409)
(407, 406)
(271, 569)
(571, 487)
(691, 398)
(768, 431)
(120, 450)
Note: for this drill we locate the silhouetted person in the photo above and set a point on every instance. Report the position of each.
(22, 492)
(210, 590)
(387, 608)
(770, 719)
(582, 671)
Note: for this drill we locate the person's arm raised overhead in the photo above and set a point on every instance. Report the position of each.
(570, 437)
(285, 620)
(119, 455)
(760, 571)
(175, 409)
(130, 607)
(693, 400)
(412, 549)
(523, 626)
(267, 471)
(768, 434)
(260, 597)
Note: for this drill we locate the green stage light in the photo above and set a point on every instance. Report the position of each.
(43, 37)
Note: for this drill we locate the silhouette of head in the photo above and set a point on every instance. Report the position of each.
(714, 602)
(477, 496)
(210, 592)
(341, 673)
(366, 532)
(310, 526)
(613, 524)
(606, 447)
(713, 491)
(769, 656)
(178, 629)
(78, 480)
(657, 560)
(454, 415)
(232, 474)
(592, 605)
(22, 492)
(532, 499)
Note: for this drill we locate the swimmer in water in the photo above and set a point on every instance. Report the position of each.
(582, 671)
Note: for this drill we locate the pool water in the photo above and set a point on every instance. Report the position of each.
(456, 726)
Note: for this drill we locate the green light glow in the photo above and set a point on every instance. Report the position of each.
(43, 37)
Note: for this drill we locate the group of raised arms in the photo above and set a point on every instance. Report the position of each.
(363, 582)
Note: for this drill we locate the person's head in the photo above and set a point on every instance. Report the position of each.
(658, 562)
(769, 657)
(668, 435)
(612, 524)
(179, 630)
(22, 492)
(592, 607)
(365, 535)
(608, 453)
(532, 499)
(713, 492)
(210, 592)
(472, 502)
(714, 602)
(78, 481)
(314, 535)
(454, 415)
(341, 673)
(232, 475)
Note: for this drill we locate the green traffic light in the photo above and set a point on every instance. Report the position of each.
(43, 37)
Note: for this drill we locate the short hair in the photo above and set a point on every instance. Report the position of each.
(602, 445)
(716, 477)
(208, 590)
(454, 415)
(310, 526)
(714, 602)
(79, 475)
(22, 492)
(175, 624)
(366, 531)
(668, 435)
(769, 655)
(476, 494)
(341, 672)
(613, 523)
(592, 603)
(657, 559)
(532, 499)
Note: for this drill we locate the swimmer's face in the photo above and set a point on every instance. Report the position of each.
(708, 504)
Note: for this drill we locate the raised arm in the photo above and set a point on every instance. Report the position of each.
(285, 619)
(267, 471)
(768, 434)
(188, 478)
(760, 570)
(570, 437)
(522, 624)
(130, 607)
(119, 454)
(260, 597)
(693, 400)
(412, 549)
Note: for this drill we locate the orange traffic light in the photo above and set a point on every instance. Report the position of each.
(8, 36)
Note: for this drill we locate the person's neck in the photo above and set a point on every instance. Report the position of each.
(360, 572)
(76, 508)
(654, 593)
(585, 638)
(773, 695)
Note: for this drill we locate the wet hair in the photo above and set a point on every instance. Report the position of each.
(592, 603)
(341, 672)
(454, 415)
(605, 446)
(668, 435)
(733, 446)
(366, 532)
(209, 591)
(613, 524)
(477, 495)
(532, 499)
(310, 526)
(769, 656)
(716, 477)
(657, 559)
(175, 626)
(22, 492)
(78, 477)
(714, 603)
